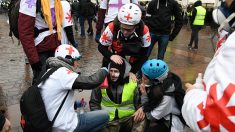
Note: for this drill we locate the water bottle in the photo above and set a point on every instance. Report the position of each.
(80, 105)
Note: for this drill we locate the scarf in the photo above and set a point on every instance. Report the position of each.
(60, 62)
(45, 4)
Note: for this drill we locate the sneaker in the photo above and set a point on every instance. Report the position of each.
(83, 36)
(195, 49)
(189, 47)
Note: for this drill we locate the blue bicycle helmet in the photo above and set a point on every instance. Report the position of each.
(154, 69)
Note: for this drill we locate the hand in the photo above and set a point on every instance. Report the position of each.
(7, 126)
(197, 85)
(117, 59)
(97, 37)
(142, 89)
(133, 77)
(139, 115)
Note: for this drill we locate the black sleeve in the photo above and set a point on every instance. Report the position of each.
(69, 34)
(137, 99)
(2, 121)
(104, 51)
(90, 82)
(178, 20)
(194, 12)
(95, 99)
(137, 62)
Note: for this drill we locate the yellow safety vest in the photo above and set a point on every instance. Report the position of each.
(126, 108)
(200, 17)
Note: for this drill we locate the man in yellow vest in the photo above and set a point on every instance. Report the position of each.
(120, 97)
(197, 19)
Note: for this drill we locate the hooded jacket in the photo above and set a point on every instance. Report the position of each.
(114, 93)
(161, 12)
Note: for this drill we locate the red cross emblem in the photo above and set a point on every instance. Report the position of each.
(128, 17)
(148, 38)
(69, 71)
(215, 112)
(22, 121)
(70, 49)
(69, 17)
(105, 37)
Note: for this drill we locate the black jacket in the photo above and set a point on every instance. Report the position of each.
(75, 8)
(87, 8)
(161, 12)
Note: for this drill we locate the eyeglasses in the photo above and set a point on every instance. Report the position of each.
(127, 30)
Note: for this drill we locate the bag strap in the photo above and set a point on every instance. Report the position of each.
(58, 111)
(45, 76)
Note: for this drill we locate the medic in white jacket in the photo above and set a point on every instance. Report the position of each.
(209, 104)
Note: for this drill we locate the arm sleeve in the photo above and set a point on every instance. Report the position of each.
(26, 34)
(144, 100)
(95, 100)
(69, 34)
(137, 99)
(90, 82)
(163, 109)
(190, 110)
(178, 20)
(100, 22)
(2, 121)
(137, 62)
(194, 12)
(104, 51)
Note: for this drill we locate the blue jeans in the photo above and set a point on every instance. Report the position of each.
(162, 44)
(82, 22)
(92, 121)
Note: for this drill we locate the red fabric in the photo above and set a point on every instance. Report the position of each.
(26, 33)
(100, 22)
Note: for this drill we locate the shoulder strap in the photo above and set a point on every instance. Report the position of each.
(58, 111)
(43, 78)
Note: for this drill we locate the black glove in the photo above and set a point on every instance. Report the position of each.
(97, 37)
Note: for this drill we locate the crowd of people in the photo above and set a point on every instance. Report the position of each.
(130, 92)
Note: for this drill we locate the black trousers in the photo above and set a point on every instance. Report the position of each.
(194, 36)
(43, 57)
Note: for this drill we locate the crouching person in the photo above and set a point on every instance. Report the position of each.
(120, 97)
(158, 88)
(64, 81)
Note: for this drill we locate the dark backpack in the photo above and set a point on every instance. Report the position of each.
(13, 15)
(179, 92)
(34, 117)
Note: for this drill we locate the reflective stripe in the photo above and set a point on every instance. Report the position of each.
(200, 16)
(126, 108)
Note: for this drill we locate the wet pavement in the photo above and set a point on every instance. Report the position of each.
(16, 76)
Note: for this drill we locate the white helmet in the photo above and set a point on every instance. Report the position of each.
(129, 14)
(67, 51)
